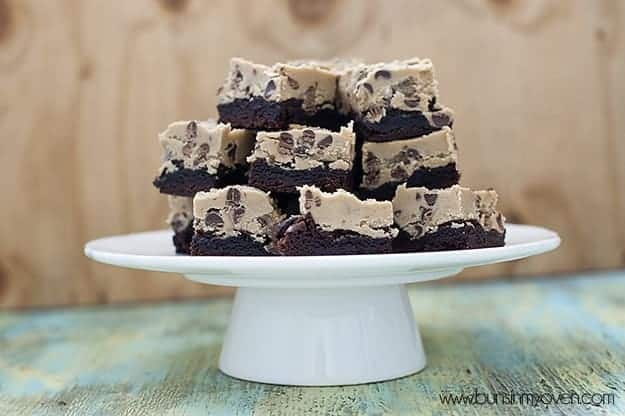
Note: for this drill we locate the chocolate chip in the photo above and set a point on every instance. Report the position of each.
(237, 213)
(238, 76)
(270, 88)
(309, 98)
(233, 196)
(264, 220)
(382, 73)
(413, 153)
(430, 198)
(325, 142)
(317, 200)
(426, 213)
(192, 130)
(220, 90)
(231, 151)
(418, 230)
(308, 199)
(399, 173)
(368, 87)
(440, 119)
(417, 196)
(285, 143)
(301, 151)
(407, 87)
(292, 83)
(412, 102)
(187, 149)
(213, 219)
(280, 229)
(202, 154)
(432, 105)
(308, 137)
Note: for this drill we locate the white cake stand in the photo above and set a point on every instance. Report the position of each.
(320, 321)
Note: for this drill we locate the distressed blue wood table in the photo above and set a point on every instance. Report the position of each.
(509, 347)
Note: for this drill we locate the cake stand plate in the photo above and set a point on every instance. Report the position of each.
(318, 320)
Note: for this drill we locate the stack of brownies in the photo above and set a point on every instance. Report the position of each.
(323, 158)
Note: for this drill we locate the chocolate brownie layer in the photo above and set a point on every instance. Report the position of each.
(399, 124)
(276, 179)
(431, 178)
(454, 235)
(300, 236)
(242, 245)
(187, 182)
(260, 114)
(182, 239)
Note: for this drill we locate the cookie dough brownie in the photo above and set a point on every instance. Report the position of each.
(200, 155)
(393, 100)
(261, 97)
(180, 220)
(233, 221)
(447, 219)
(283, 160)
(428, 161)
(335, 223)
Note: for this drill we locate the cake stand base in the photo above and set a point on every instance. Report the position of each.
(322, 337)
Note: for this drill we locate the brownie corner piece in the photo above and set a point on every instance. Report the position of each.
(233, 221)
(261, 97)
(455, 218)
(200, 155)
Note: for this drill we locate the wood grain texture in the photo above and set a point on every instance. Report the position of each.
(541, 337)
(85, 86)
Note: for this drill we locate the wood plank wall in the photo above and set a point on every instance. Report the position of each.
(85, 85)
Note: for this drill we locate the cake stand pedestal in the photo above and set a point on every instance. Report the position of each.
(322, 336)
(318, 321)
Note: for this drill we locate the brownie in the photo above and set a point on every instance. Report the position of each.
(180, 219)
(283, 160)
(200, 155)
(334, 224)
(446, 219)
(428, 161)
(393, 100)
(207, 244)
(299, 235)
(261, 97)
(453, 235)
(233, 221)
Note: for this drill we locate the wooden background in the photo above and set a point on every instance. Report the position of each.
(85, 85)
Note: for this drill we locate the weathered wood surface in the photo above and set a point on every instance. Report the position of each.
(541, 336)
(85, 86)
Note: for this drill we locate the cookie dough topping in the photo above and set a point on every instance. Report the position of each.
(234, 210)
(203, 145)
(306, 147)
(342, 210)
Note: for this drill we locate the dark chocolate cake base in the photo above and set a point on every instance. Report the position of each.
(399, 124)
(431, 178)
(182, 239)
(260, 114)
(276, 179)
(204, 244)
(447, 237)
(187, 182)
(300, 236)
